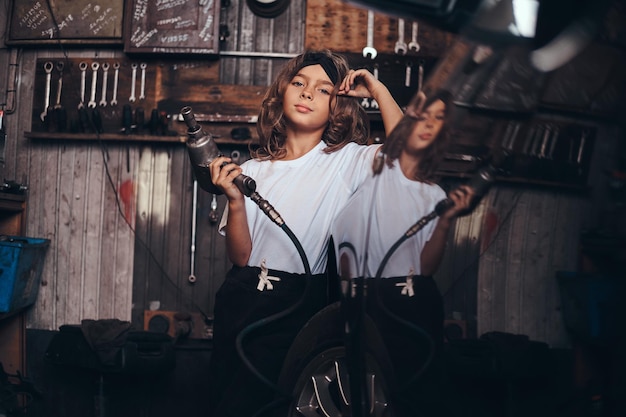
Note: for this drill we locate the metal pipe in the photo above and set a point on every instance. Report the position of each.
(194, 209)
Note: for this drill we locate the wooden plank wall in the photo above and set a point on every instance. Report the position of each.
(528, 235)
(89, 265)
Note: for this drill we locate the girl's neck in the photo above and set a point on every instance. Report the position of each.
(409, 164)
(300, 143)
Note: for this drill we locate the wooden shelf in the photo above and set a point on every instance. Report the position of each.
(104, 136)
(129, 138)
(12, 208)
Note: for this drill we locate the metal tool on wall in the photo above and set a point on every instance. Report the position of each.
(400, 47)
(105, 80)
(133, 80)
(194, 209)
(414, 45)
(369, 49)
(94, 84)
(116, 76)
(60, 113)
(142, 89)
(83, 80)
(47, 66)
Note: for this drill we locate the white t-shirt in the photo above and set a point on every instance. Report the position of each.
(307, 192)
(379, 214)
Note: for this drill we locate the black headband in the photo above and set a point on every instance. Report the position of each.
(314, 58)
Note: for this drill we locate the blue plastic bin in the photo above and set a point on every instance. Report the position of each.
(21, 263)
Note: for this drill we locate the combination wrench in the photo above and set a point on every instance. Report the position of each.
(60, 66)
(369, 49)
(116, 76)
(47, 66)
(83, 75)
(94, 82)
(413, 45)
(400, 44)
(420, 76)
(142, 92)
(132, 97)
(105, 77)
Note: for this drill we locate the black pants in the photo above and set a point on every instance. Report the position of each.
(235, 389)
(412, 331)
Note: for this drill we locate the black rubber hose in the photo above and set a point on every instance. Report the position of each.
(412, 231)
(267, 320)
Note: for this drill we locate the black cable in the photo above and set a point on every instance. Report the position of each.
(410, 232)
(267, 208)
(274, 317)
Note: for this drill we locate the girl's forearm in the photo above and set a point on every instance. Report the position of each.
(238, 241)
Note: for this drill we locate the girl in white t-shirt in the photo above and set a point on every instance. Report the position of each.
(311, 159)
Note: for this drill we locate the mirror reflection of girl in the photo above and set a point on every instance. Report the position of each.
(402, 191)
(415, 148)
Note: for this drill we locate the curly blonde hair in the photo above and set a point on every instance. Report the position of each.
(348, 121)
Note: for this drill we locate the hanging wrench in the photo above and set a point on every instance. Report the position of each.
(47, 66)
(60, 66)
(407, 74)
(132, 97)
(400, 44)
(142, 93)
(116, 66)
(105, 77)
(83, 75)
(369, 49)
(413, 45)
(94, 84)
(420, 76)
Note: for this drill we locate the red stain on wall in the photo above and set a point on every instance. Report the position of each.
(490, 227)
(127, 198)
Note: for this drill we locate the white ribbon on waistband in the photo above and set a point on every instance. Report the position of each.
(407, 286)
(265, 280)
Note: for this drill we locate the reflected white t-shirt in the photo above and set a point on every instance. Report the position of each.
(383, 209)
(307, 192)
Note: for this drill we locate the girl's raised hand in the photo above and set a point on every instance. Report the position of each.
(359, 83)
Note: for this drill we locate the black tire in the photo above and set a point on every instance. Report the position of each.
(315, 369)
